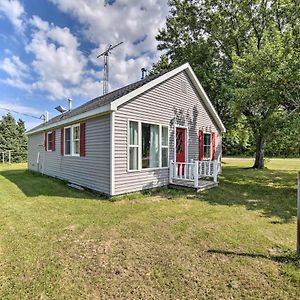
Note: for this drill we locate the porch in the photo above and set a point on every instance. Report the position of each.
(200, 175)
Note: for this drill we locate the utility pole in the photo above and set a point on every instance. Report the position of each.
(105, 55)
(298, 216)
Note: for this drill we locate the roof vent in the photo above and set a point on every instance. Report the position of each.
(184, 87)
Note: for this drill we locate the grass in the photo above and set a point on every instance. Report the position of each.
(234, 241)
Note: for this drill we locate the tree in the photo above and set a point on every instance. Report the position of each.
(220, 37)
(260, 94)
(12, 137)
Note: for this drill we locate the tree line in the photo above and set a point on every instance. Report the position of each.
(247, 57)
(13, 137)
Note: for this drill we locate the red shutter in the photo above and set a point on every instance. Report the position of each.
(82, 139)
(62, 142)
(45, 141)
(201, 150)
(53, 140)
(213, 146)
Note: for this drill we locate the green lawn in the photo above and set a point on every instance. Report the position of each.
(234, 241)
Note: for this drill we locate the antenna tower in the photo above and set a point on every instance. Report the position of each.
(105, 55)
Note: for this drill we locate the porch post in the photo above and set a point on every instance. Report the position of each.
(171, 171)
(298, 216)
(196, 176)
(215, 170)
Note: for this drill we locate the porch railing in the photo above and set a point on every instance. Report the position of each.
(194, 170)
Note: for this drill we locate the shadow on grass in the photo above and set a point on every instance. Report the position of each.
(287, 257)
(271, 192)
(34, 184)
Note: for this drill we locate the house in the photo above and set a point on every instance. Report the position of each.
(158, 131)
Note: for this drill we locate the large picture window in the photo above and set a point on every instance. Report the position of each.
(207, 146)
(72, 140)
(148, 146)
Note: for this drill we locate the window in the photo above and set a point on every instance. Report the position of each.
(164, 146)
(76, 139)
(207, 146)
(68, 141)
(49, 141)
(148, 146)
(72, 140)
(133, 145)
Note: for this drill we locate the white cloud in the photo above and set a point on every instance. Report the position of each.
(17, 83)
(14, 67)
(57, 57)
(127, 21)
(14, 11)
(60, 68)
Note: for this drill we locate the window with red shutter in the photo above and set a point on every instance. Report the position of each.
(213, 146)
(62, 141)
(45, 140)
(82, 139)
(53, 140)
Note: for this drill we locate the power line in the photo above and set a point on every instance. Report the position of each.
(17, 112)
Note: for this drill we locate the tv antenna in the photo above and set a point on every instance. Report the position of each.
(105, 55)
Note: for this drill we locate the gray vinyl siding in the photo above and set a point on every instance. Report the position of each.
(165, 104)
(91, 171)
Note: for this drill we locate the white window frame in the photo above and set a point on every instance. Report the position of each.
(204, 145)
(133, 146)
(71, 141)
(48, 133)
(161, 146)
(140, 145)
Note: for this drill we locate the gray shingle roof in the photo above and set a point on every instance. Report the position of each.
(99, 101)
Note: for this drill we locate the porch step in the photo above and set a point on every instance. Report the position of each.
(202, 185)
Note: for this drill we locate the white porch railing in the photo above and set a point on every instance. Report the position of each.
(194, 171)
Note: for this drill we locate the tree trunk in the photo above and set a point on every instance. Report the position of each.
(259, 156)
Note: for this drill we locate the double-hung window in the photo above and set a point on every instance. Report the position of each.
(72, 140)
(133, 145)
(49, 141)
(164, 146)
(148, 146)
(76, 140)
(207, 146)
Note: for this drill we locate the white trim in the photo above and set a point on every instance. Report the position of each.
(132, 146)
(73, 153)
(186, 142)
(113, 106)
(139, 146)
(71, 140)
(112, 154)
(210, 150)
(49, 150)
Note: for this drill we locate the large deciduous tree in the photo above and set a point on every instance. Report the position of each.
(246, 54)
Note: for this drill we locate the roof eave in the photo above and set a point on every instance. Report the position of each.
(86, 115)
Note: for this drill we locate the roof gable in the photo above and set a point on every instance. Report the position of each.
(111, 101)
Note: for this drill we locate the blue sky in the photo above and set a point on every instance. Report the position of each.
(48, 49)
